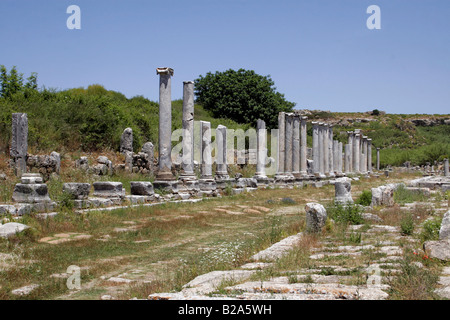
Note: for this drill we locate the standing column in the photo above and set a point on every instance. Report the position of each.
(321, 151)
(206, 156)
(326, 154)
(19, 143)
(369, 155)
(281, 141)
(335, 156)
(364, 155)
(378, 159)
(316, 148)
(340, 164)
(446, 169)
(288, 145)
(165, 125)
(296, 146)
(221, 158)
(351, 137)
(188, 130)
(261, 137)
(330, 151)
(303, 148)
(348, 158)
(356, 152)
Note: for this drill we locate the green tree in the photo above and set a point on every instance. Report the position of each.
(12, 83)
(242, 96)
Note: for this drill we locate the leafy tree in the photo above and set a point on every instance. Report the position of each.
(242, 96)
(12, 83)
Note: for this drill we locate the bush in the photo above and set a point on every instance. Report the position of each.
(407, 224)
(365, 199)
(430, 230)
(348, 213)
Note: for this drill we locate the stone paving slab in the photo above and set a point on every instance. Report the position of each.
(277, 250)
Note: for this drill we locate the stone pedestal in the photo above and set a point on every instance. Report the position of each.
(343, 188)
(33, 191)
(77, 191)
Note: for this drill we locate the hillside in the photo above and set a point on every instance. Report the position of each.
(93, 119)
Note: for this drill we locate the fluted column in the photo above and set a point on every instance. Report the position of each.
(351, 137)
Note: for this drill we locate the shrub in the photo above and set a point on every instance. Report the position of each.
(365, 199)
(430, 230)
(348, 213)
(407, 224)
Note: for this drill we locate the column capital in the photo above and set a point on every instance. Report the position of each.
(186, 82)
(164, 70)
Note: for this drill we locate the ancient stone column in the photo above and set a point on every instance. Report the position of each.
(316, 148)
(296, 146)
(126, 141)
(351, 137)
(188, 131)
(206, 156)
(356, 153)
(369, 155)
(378, 159)
(165, 125)
(330, 151)
(348, 158)
(19, 143)
(363, 161)
(288, 145)
(281, 141)
(221, 157)
(446, 169)
(326, 155)
(335, 156)
(340, 157)
(303, 148)
(261, 155)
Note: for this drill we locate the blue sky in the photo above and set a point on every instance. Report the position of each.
(320, 53)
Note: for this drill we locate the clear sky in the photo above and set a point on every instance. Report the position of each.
(320, 53)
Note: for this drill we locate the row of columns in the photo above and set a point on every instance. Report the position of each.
(292, 163)
(292, 146)
(327, 152)
(358, 153)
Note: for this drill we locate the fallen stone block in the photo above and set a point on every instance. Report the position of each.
(108, 189)
(77, 191)
(438, 249)
(142, 188)
(9, 229)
